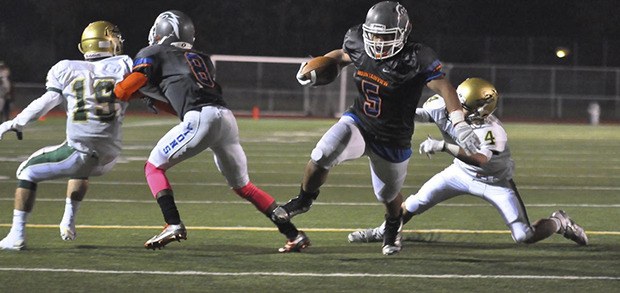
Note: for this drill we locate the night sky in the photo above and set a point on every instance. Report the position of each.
(35, 34)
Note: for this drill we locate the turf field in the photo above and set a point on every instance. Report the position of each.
(459, 246)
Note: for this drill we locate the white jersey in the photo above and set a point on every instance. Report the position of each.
(493, 138)
(94, 116)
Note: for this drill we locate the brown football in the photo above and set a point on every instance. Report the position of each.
(325, 68)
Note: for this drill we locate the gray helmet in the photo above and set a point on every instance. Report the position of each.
(386, 29)
(174, 28)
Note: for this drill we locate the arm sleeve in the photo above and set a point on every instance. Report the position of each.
(38, 108)
(129, 85)
(422, 116)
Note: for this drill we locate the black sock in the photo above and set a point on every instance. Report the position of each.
(287, 229)
(165, 199)
(304, 195)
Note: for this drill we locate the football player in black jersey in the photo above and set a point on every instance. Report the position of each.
(390, 73)
(180, 80)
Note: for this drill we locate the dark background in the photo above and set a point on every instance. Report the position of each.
(35, 34)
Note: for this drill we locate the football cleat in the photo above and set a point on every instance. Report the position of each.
(296, 245)
(366, 236)
(12, 243)
(67, 233)
(569, 229)
(293, 207)
(169, 234)
(391, 238)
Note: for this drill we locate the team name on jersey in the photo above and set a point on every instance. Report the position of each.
(373, 77)
(177, 140)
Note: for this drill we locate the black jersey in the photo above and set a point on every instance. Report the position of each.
(389, 89)
(183, 78)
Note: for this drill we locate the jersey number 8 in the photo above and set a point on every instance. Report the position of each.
(200, 69)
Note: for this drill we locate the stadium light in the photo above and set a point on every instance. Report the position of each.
(562, 52)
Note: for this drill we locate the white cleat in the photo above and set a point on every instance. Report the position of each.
(366, 236)
(390, 249)
(169, 234)
(13, 243)
(67, 233)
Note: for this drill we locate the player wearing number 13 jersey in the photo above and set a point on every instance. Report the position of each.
(390, 72)
(181, 80)
(93, 127)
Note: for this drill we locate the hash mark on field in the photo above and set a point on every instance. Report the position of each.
(333, 275)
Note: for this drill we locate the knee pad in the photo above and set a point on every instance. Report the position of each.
(520, 231)
(333, 143)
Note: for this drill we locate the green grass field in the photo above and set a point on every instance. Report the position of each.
(459, 246)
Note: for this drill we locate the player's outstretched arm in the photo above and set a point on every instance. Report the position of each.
(125, 89)
(32, 112)
(465, 136)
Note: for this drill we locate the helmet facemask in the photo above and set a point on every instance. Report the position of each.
(381, 42)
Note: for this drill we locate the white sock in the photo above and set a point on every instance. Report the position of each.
(71, 208)
(19, 223)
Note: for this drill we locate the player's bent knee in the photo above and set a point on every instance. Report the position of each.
(521, 232)
(318, 158)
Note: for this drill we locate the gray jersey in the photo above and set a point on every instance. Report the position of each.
(493, 138)
(183, 78)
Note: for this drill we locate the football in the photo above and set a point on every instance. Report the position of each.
(325, 68)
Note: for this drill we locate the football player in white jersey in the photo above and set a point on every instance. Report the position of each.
(486, 174)
(93, 128)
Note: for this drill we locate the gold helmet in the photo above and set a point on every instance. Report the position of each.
(101, 39)
(478, 97)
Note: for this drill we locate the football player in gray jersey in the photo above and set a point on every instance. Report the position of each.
(390, 72)
(486, 174)
(180, 80)
(93, 127)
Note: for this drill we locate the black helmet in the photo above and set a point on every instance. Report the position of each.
(174, 28)
(386, 29)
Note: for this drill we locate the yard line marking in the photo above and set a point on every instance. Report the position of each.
(365, 186)
(334, 275)
(585, 205)
(268, 229)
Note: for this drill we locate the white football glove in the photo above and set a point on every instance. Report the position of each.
(466, 138)
(8, 126)
(430, 146)
(302, 78)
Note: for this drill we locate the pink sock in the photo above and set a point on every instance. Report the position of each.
(155, 178)
(259, 198)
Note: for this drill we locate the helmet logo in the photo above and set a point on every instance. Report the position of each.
(171, 19)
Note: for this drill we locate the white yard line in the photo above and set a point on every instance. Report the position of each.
(332, 275)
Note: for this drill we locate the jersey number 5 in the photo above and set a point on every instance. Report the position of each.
(372, 102)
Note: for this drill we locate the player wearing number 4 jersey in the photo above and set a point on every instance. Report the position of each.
(93, 127)
(487, 174)
(180, 80)
(390, 73)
